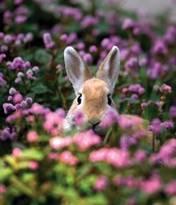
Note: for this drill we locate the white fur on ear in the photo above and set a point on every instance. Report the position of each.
(109, 69)
(76, 69)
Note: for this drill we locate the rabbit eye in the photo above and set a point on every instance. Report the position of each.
(109, 99)
(79, 98)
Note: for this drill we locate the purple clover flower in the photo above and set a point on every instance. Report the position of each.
(48, 41)
(87, 58)
(18, 64)
(131, 64)
(93, 49)
(167, 124)
(12, 91)
(2, 57)
(128, 24)
(8, 108)
(7, 133)
(89, 21)
(160, 47)
(136, 88)
(127, 141)
(156, 70)
(172, 111)
(155, 126)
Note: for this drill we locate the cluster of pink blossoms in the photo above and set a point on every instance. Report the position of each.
(68, 158)
(54, 122)
(83, 141)
(166, 155)
(114, 156)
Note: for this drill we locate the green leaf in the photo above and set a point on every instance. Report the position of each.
(41, 56)
(32, 154)
(5, 173)
(28, 177)
(40, 89)
(98, 199)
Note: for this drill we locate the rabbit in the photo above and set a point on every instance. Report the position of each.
(94, 94)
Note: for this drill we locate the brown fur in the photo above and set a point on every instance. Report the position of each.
(95, 93)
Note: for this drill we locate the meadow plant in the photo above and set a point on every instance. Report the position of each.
(41, 163)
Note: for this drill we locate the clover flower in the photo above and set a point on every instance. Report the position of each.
(172, 111)
(128, 121)
(59, 142)
(136, 88)
(7, 134)
(101, 183)
(54, 121)
(170, 188)
(116, 157)
(8, 108)
(18, 64)
(32, 136)
(128, 181)
(166, 154)
(67, 157)
(3, 189)
(33, 165)
(131, 64)
(48, 40)
(2, 57)
(165, 89)
(128, 24)
(85, 140)
(151, 185)
(160, 47)
(109, 118)
(89, 21)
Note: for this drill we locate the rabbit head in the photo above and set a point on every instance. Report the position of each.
(93, 94)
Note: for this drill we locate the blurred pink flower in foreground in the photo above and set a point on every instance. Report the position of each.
(166, 155)
(68, 158)
(98, 155)
(151, 185)
(33, 165)
(113, 156)
(16, 152)
(32, 136)
(128, 121)
(38, 109)
(60, 142)
(2, 189)
(128, 181)
(54, 121)
(14, 116)
(101, 183)
(110, 117)
(118, 158)
(170, 188)
(53, 156)
(86, 139)
(140, 156)
(79, 118)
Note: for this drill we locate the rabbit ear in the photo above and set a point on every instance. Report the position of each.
(76, 69)
(110, 67)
